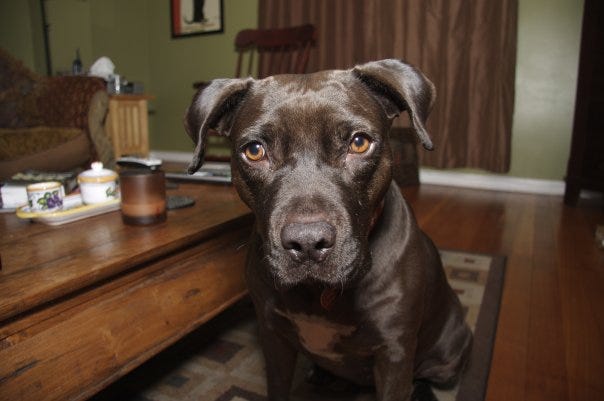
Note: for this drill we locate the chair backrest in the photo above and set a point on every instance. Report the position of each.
(279, 50)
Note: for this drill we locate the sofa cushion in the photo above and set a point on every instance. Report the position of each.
(42, 148)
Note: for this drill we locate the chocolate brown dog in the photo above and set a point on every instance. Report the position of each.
(337, 266)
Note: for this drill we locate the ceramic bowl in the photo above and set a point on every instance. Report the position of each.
(98, 184)
(45, 196)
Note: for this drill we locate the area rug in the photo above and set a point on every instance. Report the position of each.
(222, 360)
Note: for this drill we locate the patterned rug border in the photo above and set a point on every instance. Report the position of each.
(474, 381)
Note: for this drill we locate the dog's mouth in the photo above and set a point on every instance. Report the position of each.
(326, 261)
(326, 274)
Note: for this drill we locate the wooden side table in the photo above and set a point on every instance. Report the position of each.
(127, 124)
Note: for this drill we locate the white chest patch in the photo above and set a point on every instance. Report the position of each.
(318, 335)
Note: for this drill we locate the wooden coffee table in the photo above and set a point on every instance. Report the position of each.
(84, 303)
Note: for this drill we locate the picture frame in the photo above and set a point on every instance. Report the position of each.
(196, 17)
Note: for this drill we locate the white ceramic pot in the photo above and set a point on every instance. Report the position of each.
(98, 185)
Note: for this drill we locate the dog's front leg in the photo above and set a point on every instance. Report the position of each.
(394, 374)
(280, 358)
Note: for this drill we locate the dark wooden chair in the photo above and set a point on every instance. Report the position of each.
(279, 51)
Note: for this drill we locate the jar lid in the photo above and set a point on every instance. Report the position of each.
(97, 174)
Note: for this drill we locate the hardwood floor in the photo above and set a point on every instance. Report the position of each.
(550, 336)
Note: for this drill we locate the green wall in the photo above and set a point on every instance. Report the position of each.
(549, 33)
(118, 30)
(21, 32)
(135, 34)
(176, 63)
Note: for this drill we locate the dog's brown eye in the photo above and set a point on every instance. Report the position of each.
(359, 144)
(254, 151)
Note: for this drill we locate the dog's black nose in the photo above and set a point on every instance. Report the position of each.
(308, 240)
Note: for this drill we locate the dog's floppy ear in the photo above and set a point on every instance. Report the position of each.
(399, 87)
(213, 107)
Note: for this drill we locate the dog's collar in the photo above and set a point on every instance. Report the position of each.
(328, 297)
(377, 213)
(330, 294)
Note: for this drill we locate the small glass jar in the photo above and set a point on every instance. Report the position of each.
(143, 194)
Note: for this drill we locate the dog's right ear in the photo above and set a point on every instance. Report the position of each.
(213, 107)
(400, 87)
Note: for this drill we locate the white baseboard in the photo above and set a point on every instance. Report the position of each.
(172, 156)
(492, 182)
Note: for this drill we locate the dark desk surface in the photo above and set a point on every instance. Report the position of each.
(41, 263)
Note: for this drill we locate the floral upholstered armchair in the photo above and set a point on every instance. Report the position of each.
(50, 123)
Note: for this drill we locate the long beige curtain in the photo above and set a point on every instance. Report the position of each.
(466, 47)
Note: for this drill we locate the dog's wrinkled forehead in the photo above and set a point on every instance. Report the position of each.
(312, 96)
(324, 84)
(281, 89)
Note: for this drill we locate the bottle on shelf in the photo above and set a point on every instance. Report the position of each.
(76, 66)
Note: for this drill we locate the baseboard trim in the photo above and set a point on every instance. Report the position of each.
(172, 156)
(491, 182)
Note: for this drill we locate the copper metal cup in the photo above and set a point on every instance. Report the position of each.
(143, 195)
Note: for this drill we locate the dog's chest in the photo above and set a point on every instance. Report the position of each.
(322, 337)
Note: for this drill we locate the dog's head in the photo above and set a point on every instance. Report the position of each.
(311, 158)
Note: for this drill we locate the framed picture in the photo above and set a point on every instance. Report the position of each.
(196, 17)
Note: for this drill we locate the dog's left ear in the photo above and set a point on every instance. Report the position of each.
(213, 107)
(399, 87)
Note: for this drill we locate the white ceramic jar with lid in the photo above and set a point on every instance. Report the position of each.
(98, 184)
